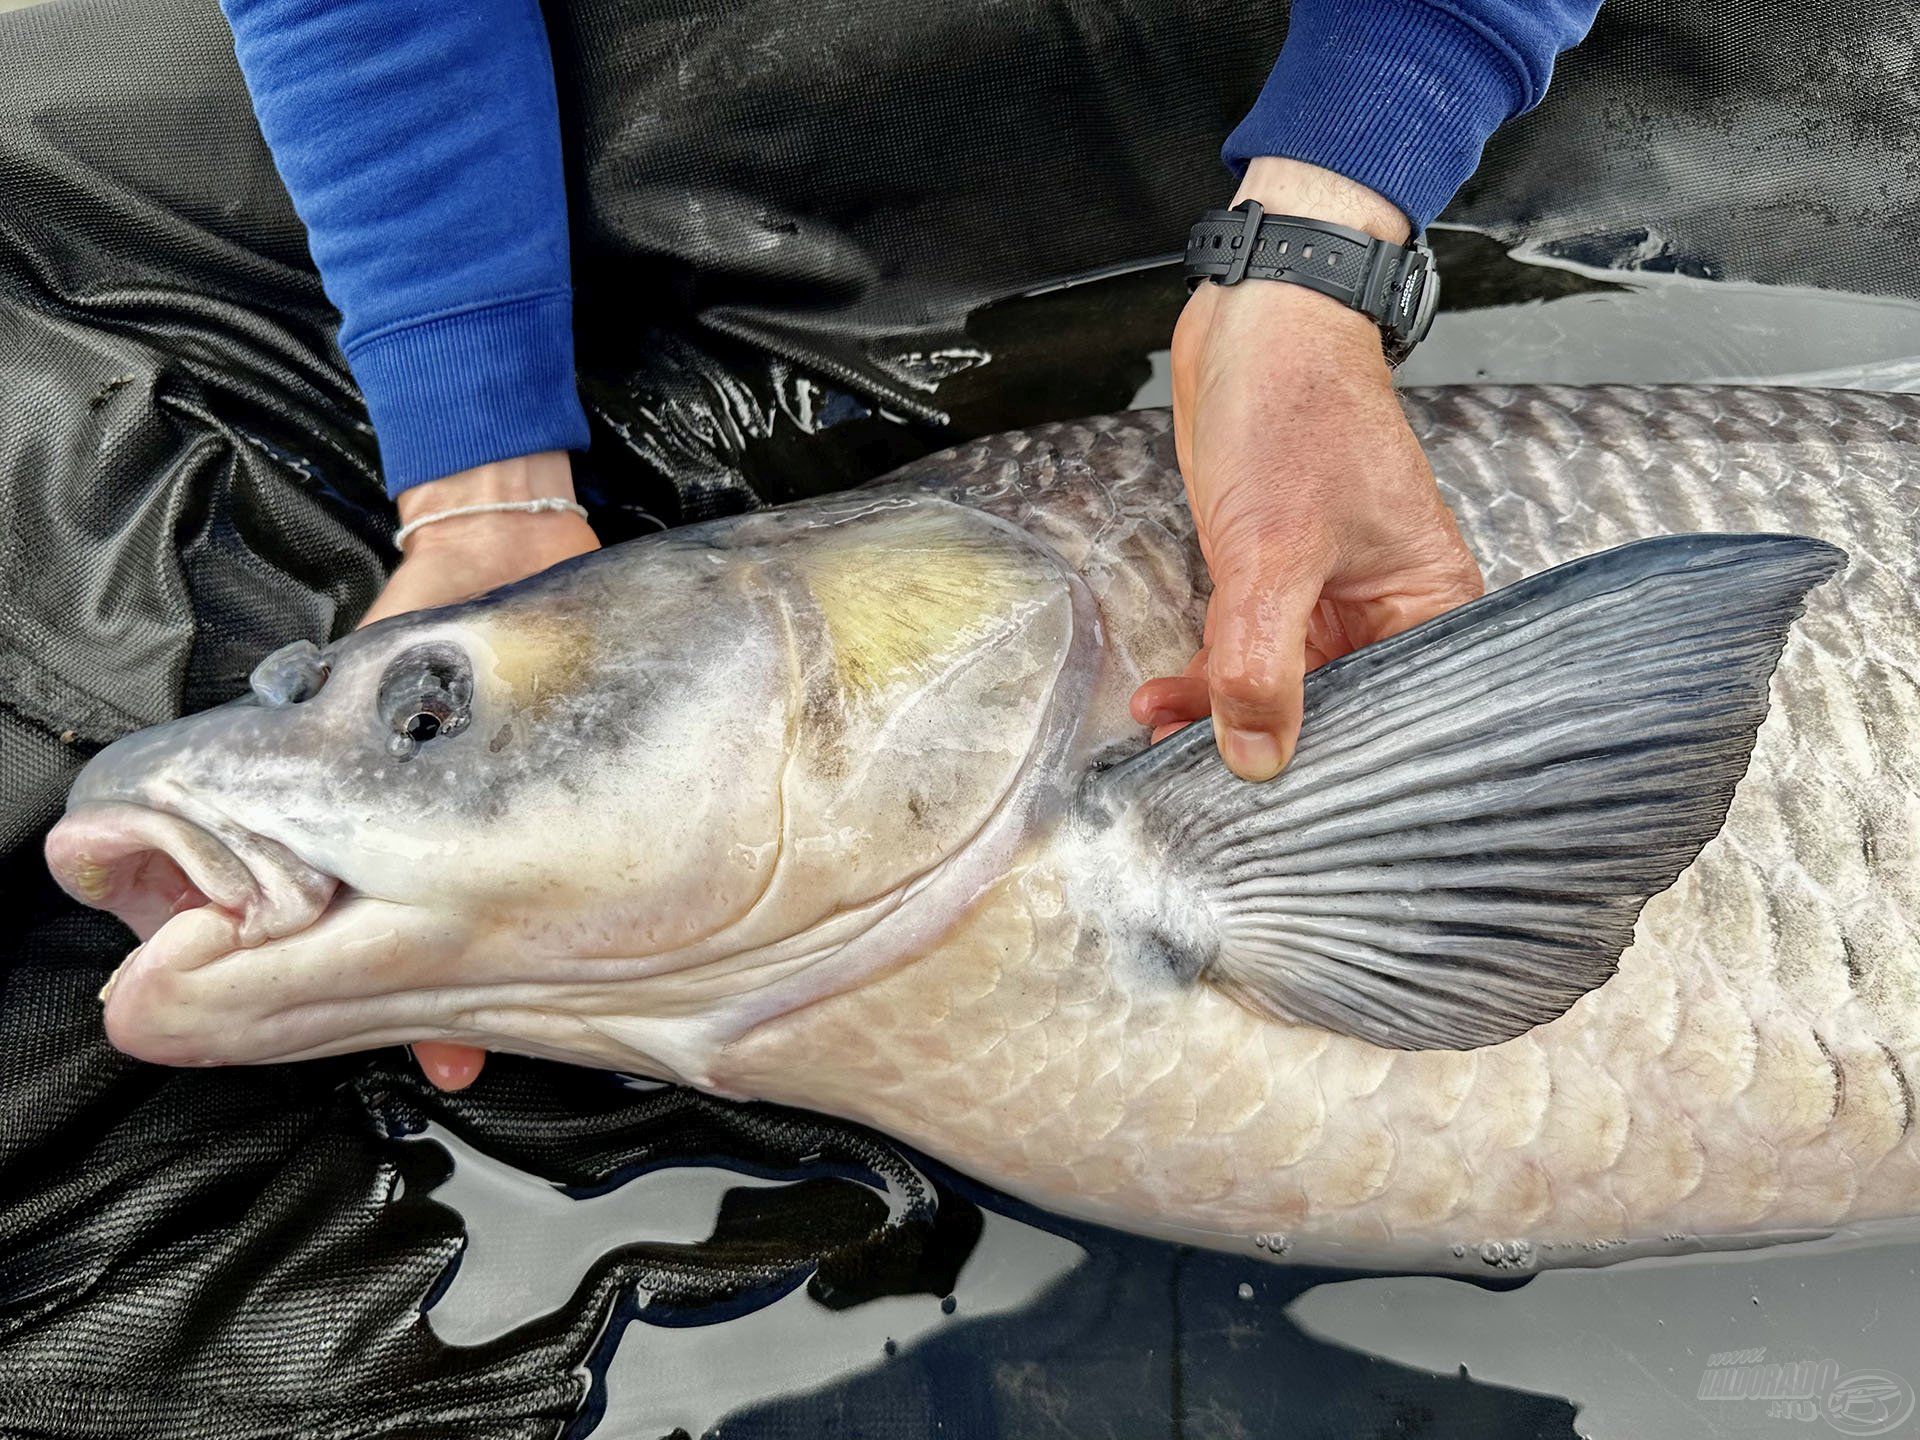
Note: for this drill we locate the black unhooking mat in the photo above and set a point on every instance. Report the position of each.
(187, 481)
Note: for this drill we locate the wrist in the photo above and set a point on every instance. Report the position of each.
(1294, 331)
(1299, 328)
(547, 475)
(1293, 187)
(544, 476)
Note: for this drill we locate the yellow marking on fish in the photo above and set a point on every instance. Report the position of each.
(899, 606)
(536, 658)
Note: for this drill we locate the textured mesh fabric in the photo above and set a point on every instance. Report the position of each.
(798, 266)
(181, 478)
(1729, 141)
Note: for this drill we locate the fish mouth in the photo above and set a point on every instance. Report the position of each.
(191, 892)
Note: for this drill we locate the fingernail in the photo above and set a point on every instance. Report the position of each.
(1251, 754)
(114, 978)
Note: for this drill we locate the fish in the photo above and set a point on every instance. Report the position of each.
(1581, 926)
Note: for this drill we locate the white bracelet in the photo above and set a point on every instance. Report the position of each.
(544, 505)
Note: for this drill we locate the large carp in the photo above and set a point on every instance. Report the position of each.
(839, 805)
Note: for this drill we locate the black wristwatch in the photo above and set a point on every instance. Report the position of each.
(1394, 285)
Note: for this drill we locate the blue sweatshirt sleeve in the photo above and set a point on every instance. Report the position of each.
(420, 141)
(1400, 95)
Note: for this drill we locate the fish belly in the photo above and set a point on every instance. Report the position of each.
(1748, 1073)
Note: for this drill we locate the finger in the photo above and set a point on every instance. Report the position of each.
(1441, 576)
(1391, 614)
(1176, 699)
(1173, 699)
(1255, 668)
(448, 1066)
(1327, 635)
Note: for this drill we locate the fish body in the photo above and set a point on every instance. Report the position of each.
(840, 806)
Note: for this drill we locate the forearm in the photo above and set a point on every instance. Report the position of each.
(420, 144)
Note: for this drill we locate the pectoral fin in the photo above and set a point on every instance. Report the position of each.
(1479, 808)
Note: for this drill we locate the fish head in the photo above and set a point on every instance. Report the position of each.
(603, 798)
(398, 825)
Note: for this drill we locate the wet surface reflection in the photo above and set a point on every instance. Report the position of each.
(1016, 1322)
(1050, 1327)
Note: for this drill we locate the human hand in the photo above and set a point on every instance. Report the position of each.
(1316, 509)
(468, 555)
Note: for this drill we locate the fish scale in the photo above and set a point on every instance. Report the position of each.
(1747, 1070)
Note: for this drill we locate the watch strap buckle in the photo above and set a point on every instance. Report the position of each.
(1243, 243)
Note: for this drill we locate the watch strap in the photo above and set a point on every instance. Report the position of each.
(1394, 285)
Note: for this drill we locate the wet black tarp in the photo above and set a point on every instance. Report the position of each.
(187, 481)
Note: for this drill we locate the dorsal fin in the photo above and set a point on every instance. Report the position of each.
(1479, 808)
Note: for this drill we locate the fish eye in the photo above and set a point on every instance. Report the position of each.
(426, 695)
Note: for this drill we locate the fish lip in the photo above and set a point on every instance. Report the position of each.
(192, 996)
(148, 864)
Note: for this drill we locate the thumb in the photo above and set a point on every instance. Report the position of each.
(1255, 668)
(448, 1066)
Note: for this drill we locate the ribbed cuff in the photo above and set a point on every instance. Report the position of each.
(455, 391)
(1399, 95)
